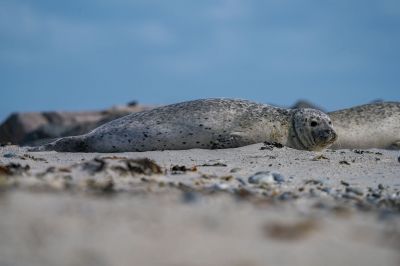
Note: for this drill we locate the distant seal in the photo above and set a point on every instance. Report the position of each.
(206, 124)
(375, 125)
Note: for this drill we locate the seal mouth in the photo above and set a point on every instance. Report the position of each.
(325, 138)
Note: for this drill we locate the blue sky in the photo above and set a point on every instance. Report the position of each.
(90, 54)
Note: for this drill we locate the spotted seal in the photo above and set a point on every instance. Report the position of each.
(207, 124)
(375, 125)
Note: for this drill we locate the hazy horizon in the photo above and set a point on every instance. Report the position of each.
(85, 55)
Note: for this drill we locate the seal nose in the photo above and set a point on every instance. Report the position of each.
(334, 134)
(328, 134)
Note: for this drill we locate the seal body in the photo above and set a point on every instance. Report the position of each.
(375, 125)
(207, 124)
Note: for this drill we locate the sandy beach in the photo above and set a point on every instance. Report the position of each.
(254, 205)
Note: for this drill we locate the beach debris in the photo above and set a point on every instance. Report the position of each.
(180, 169)
(367, 152)
(243, 193)
(23, 157)
(114, 158)
(290, 231)
(320, 157)
(266, 178)
(94, 166)
(144, 166)
(129, 166)
(215, 163)
(226, 178)
(103, 186)
(13, 169)
(398, 159)
(271, 145)
(28, 156)
(344, 162)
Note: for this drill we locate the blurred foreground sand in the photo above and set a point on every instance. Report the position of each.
(330, 208)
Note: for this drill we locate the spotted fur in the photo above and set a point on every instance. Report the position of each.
(205, 124)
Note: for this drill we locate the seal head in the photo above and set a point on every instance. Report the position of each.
(312, 130)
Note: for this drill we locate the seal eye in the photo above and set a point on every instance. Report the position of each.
(330, 123)
(313, 124)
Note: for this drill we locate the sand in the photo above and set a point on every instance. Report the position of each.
(328, 208)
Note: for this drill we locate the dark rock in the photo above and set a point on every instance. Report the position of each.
(38, 128)
(17, 125)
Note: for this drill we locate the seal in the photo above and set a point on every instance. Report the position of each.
(375, 125)
(206, 124)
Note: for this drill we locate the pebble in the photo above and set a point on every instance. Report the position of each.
(278, 177)
(266, 177)
(354, 190)
(235, 170)
(327, 190)
(190, 197)
(344, 183)
(9, 155)
(287, 196)
(314, 182)
(241, 181)
(219, 187)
